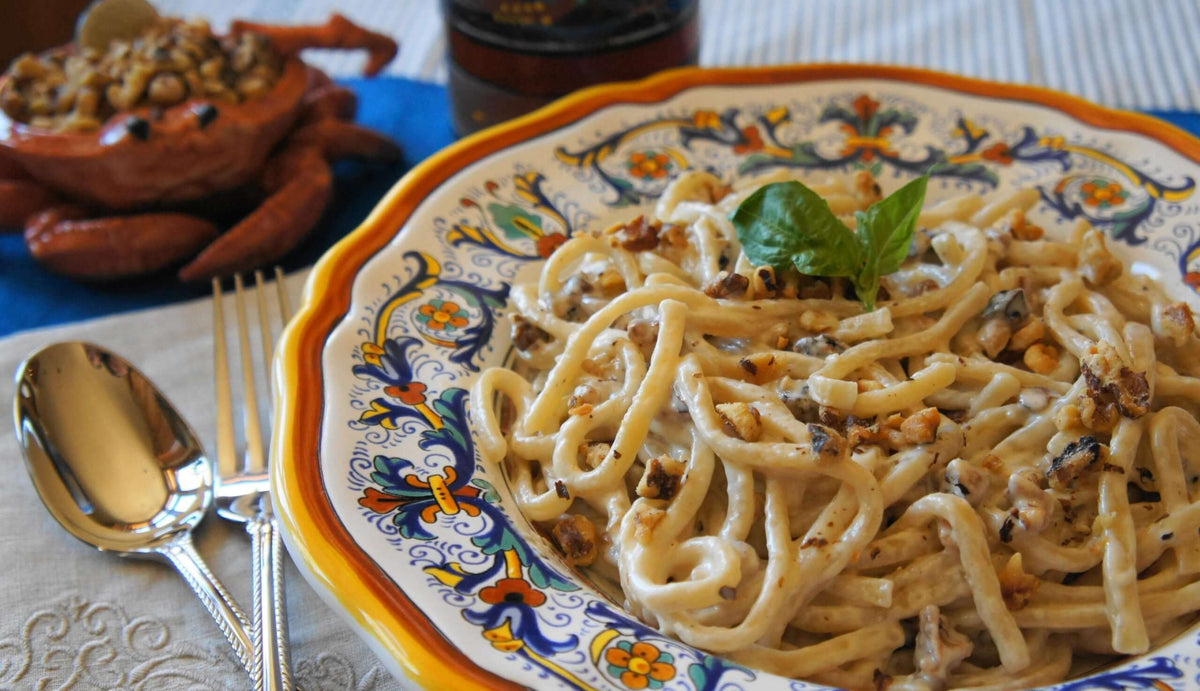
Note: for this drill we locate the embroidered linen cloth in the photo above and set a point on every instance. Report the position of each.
(75, 619)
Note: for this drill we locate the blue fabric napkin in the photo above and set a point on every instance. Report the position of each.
(416, 114)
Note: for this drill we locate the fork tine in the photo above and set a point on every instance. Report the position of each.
(255, 463)
(264, 326)
(227, 463)
(285, 307)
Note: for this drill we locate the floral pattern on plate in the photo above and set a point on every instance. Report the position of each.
(429, 313)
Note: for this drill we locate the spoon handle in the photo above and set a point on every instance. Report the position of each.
(225, 612)
(273, 671)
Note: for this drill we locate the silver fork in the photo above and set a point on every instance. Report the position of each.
(243, 491)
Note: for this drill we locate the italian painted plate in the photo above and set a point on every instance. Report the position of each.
(384, 503)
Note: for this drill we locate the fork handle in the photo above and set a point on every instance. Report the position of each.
(272, 663)
(182, 554)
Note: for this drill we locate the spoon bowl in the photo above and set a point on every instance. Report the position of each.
(118, 467)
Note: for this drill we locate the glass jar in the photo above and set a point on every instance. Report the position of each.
(508, 57)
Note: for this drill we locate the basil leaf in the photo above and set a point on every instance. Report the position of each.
(885, 233)
(787, 223)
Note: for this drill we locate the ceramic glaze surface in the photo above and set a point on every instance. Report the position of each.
(395, 469)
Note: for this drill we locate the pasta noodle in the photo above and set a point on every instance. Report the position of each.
(990, 481)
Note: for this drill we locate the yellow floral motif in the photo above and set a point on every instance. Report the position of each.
(442, 315)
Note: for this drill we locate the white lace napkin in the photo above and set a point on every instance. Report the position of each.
(74, 619)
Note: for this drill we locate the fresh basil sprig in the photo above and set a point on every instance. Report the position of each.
(787, 224)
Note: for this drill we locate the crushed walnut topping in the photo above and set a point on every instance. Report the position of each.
(740, 420)
(966, 480)
(994, 336)
(921, 427)
(638, 235)
(1078, 457)
(1016, 586)
(866, 190)
(594, 453)
(1041, 358)
(1109, 380)
(826, 441)
(575, 537)
(644, 334)
(1177, 322)
(526, 334)
(662, 478)
(821, 345)
(581, 409)
(939, 648)
(1096, 263)
(1021, 228)
(169, 62)
(727, 284)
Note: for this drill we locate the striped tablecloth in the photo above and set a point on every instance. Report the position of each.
(1138, 54)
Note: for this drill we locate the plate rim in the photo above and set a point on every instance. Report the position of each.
(321, 545)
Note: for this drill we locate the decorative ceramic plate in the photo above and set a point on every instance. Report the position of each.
(385, 505)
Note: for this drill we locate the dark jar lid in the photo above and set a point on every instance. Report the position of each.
(566, 27)
(507, 58)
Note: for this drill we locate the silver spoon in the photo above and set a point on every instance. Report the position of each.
(119, 468)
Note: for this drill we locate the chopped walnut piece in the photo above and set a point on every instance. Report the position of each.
(818, 321)
(1027, 335)
(1067, 418)
(1177, 323)
(1021, 228)
(1078, 457)
(575, 537)
(646, 522)
(638, 235)
(662, 478)
(644, 334)
(581, 409)
(1041, 358)
(866, 190)
(939, 648)
(761, 367)
(1033, 507)
(717, 192)
(673, 236)
(825, 440)
(1096, 263)
(526, 334)
(1097, 416)
(763, 283)
(610, 282)
(1008, 304)
(1109, 380)
(594, 453)
(921, 426)
(994, 336)
(967, 481)
(584, 393)
(818, 346)
(740, 420)
(727, 285)
(1016, 586)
